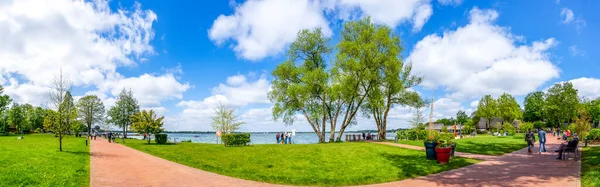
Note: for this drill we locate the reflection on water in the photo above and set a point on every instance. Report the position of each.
(256, 138)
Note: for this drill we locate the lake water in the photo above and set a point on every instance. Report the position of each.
(255, 138)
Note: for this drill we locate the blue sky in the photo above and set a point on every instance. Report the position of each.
(181, 58)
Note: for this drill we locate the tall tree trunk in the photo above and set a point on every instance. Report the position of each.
(314, 126)
(60, 141)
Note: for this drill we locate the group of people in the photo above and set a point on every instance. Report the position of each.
(111, 136)
(572, 144)
(367, 136)
(285, 137)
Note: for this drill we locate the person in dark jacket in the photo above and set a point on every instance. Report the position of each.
(572, 144)
(529, 138)
(277, 137)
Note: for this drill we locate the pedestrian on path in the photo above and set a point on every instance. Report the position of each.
(109, 136)
(529, 138)
(542, 139)
(277, 137)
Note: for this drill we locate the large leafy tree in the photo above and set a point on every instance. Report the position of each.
(17, 117)
(225, 119)
(461, 117)
(366, 56)
(147, 122)
(121, 112)
(561, 104)
(91, 110)
(487, 109)
(508, 108)
(4, 103)
(300, 84)
(534, 105)
(593, 108)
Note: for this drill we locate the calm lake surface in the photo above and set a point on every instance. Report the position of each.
(256, 138)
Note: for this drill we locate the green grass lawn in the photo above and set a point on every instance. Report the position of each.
(315, 164)
(482, 144)
(36, 161)
(590, 167)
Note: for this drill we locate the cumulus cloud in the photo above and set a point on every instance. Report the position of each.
(587, 87)
(482, 58)
(261, 28)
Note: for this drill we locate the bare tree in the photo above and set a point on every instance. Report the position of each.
(61, 84)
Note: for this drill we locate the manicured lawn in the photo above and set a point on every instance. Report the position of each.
(315, 164)
(590, 167)
(483, 144)
(36, 161)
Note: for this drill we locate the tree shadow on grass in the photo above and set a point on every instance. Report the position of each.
(416, 165)
(85, 153)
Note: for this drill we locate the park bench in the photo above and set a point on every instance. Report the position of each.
(568, 150)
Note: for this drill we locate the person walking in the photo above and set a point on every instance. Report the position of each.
(109, 136)
(542, 139)
(529, 138)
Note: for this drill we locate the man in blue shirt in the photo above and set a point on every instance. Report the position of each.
(542, 138)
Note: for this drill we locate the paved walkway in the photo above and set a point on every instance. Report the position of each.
(117, 165)
(513, 169)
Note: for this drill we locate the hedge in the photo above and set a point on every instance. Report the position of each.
(241, 139)
(445, 136)
(594, 134)
(160, 138)
(412, 134)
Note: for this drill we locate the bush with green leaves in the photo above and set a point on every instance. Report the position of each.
(445, 136)
(161, 138)
(445, 129)
(594, 134)
(524, 127)
(507, 127)
(538, 125)
(237, 139)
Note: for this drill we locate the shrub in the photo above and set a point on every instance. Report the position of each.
(445, 129)
(446, 136)
(538, 125)
(482, 131)
(507, 127)
(431, 135)
(594, 134)
(524, 127)
(241, 139)
(421, 134)
(160, 138)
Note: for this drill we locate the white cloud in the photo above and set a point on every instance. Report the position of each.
(88, 40)
(389, 12)
(264, 28)
(575, 51)
(450, 2)
(567, 15)
(482, 58)
(240, 91)
(587, 87)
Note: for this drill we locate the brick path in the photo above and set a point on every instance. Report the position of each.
(513, 169)
(117, 165)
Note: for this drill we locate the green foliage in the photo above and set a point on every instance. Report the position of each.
(17, 118)
(147, 122)
(509, 128)
(77, 127)
(432, 136)
(594, 134)
(445, 128)
(300, 83)
(446, 136)
(538, 125)
(534, 105)
(91, 110)
(121, 112)
(524, 127)
(593, 108)
(4, 102)
(225, 119)
(238, 139)
(483, 144)
(508, 108)
(468, 127)
(487, 109)
(161, 138)
(443, 144)
(461, 117)
(561, 104)
(497, 127)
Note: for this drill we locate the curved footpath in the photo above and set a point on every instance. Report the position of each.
(118, 165)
